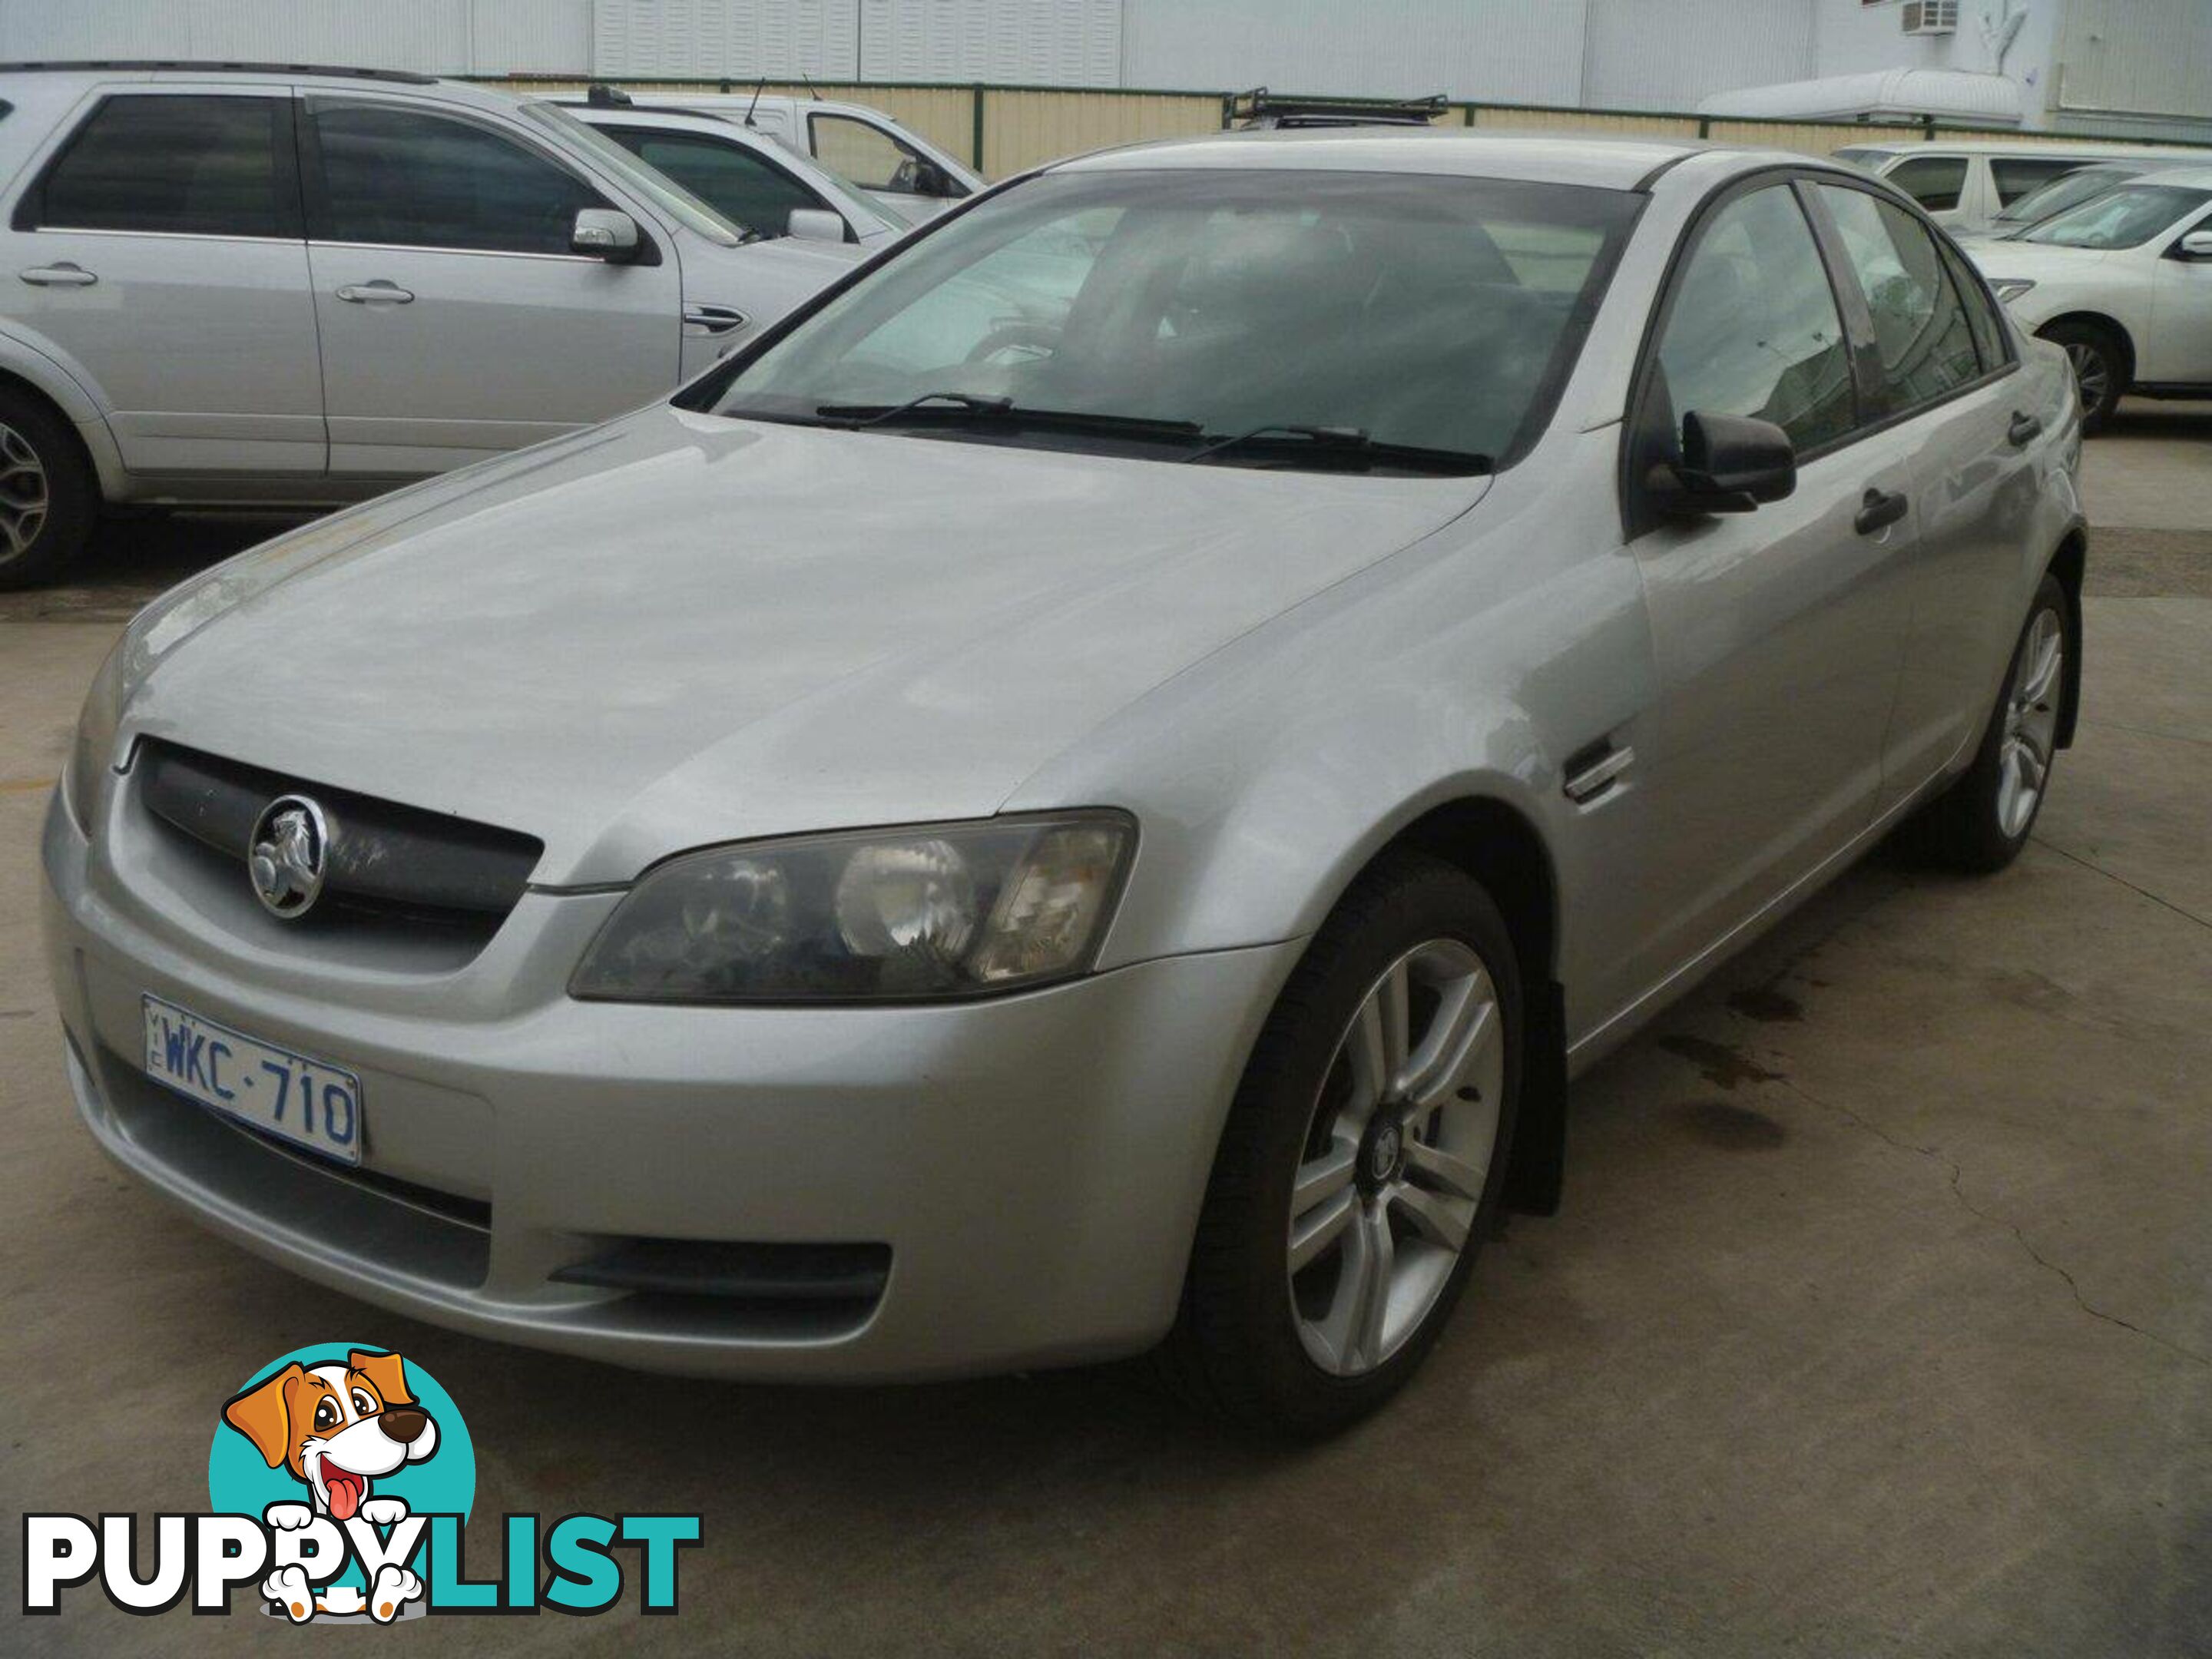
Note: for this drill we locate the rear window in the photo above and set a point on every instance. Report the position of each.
(179, 165)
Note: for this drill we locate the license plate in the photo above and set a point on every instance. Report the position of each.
(307, 1102)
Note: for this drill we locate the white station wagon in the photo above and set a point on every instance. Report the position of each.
(223, 285)
(957, 845)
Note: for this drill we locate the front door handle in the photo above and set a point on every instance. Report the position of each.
(378, 292)
(64, 274)
(1878, 511)
(2024, 429)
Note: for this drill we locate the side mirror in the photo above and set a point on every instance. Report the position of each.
(815, 225)
(931, 180)
(2198, 244)
(1731, 464)
(606, 234)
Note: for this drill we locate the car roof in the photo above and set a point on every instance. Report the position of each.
(78, 75)
(2055, 146)
(679, 119)
(1540, 158)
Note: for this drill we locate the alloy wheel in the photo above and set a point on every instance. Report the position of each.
(23, 491)
(1393, 1168)
(2093, 374)
(2031, 723)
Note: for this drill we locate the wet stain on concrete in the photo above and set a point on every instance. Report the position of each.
(1731, 1128)
(1767, 1003)
(1722, 1064)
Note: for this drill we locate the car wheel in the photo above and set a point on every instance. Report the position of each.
(1361, 1164)
(1981, 821)
(47, 500)
(2101, 370)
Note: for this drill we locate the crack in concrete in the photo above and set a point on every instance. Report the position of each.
(1958, 1192)
(2144, 892)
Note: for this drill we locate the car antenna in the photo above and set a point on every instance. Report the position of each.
(811, 92)
(759, 88)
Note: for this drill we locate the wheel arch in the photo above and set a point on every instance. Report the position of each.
(1495, 844)
(11, 380)
(2099, 320)
(2069, 564)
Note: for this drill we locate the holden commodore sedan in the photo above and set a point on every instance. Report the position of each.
(1090, 791)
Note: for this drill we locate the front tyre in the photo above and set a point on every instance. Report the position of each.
(1361, 1165)
(1979, 824)
(47, 498)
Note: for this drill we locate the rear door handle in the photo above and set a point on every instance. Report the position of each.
(64, 274)
(705, 319)
(2023, 429)
(378, 292)
(1878, 511)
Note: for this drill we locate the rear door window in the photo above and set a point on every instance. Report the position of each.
(2016, 175)
(180, 164)
(1935, 182)
(1922, 335)
(1753, 328)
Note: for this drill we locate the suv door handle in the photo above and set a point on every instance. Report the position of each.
(704, 319)
(379, 292)
(1878, 511)
(64, 274)
(2024, 427)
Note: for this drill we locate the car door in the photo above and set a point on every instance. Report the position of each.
(158, 254)
(2179, 350)
(456, 320)
(1947, 383)
(1777, 632)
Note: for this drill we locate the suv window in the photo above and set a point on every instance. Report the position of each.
(1933, 181)
(867, 155)
(407, 178)
(1921, 333)
(181, 164)
(1981, 311)
(2016, 175)
(1752, 329)
(730, 178)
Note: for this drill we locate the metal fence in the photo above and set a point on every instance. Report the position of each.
(1001, 129)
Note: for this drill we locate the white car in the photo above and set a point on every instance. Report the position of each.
(283, 285)
(748, 178)
(2123, 282)
(1964, 185)
(893, 166)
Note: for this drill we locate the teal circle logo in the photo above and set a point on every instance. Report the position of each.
(338, 1431)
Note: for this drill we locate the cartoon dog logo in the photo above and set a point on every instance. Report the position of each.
(337, 1427)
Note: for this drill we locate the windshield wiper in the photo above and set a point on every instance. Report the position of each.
(1349, 443)
(968, 409)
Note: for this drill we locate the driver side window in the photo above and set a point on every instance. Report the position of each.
(865, 155)
(402, 178)
(1753, 329)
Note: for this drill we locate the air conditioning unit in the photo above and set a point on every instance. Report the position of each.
(1931, 16)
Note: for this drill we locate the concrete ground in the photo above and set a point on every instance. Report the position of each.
(1879, 1319)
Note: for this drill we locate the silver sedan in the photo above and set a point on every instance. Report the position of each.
(1090, 791)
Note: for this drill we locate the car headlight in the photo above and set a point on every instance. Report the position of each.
(94, 751)
(2008, 288)
(936, 911)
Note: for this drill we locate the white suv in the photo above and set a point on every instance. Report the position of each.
(294, 286)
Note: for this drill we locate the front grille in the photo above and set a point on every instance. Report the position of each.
(383, 859)
(794, 1292)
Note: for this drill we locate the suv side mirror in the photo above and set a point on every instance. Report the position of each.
(1729, 464)
(2198, 244)
(606, 234)
(815, 225)
(930, 179)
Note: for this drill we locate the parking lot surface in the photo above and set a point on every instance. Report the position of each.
(1879, 1318)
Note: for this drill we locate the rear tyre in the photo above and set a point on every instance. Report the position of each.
(1361, 1165)
(1978, 825)
(47, 498)
(2101, 370)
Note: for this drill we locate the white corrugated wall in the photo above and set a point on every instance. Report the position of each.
(712, 37)
(1066, 43)
(1526, 51)
(1667, 54)
(487, 37)
(2135, 57)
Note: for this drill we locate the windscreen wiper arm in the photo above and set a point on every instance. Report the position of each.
(963, 408)
(1350, 443)
(859, 415)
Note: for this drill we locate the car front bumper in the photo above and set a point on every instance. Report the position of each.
(1030, 1168)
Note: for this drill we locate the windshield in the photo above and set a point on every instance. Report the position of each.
(1431, 313)
(666, 193)
(2069, 191)
(2126, 217)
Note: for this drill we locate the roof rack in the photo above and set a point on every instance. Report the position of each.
(1260, 105)
(405, 77)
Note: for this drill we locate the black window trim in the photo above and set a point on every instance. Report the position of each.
(315, 200)
(30, 214)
